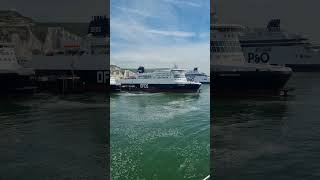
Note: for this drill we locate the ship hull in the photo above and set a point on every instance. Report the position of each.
(115, 88)
(205, 82)
(295, 57)
(249, 82)
(93, 70)
(181, 88)
(15, 83)
(91, 80)
(304, 67)
(201, 79)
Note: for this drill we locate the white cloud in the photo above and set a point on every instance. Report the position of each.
(135, 11)
(134, 31)
(185, 56)
(160, 42)
(184, 2)
(172, 33)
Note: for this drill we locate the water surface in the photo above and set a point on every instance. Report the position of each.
(46, 136)
(160, 135)
(270, 137)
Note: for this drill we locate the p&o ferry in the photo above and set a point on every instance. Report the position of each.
(197, 76)
(232, 74)
(273, 45)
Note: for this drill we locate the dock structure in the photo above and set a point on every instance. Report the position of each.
(61, 84)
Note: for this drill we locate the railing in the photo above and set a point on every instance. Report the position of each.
(207, 178)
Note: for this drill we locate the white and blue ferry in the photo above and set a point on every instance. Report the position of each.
(197, 76)
(115, 85)
(170, 80)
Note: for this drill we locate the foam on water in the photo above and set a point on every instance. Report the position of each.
(159, 136)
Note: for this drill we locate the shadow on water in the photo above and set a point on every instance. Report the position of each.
(268, 137)
(46, 136)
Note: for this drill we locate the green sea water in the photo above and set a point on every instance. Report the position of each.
(160, 135)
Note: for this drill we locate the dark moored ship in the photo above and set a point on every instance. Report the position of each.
(233, 75)
(273, 45)
(67, 55)
(13, 77)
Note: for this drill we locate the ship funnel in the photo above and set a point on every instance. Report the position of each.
(99, 26)
(274, 25)
(141, 69)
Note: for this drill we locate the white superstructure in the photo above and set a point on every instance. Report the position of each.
(232, 73)
(9, 63)
(115, 85)
(197, 76)
(272, 45)
(13, 77)
(160, 80)
(169, 76)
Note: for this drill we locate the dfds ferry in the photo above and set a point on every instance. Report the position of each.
(172, 80)
(86, 57)
(230, 71)
(66, 54)
(272, 45)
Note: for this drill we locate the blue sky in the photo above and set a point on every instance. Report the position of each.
(160, 33)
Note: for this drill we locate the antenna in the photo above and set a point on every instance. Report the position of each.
(215, 14)
(175, 66)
